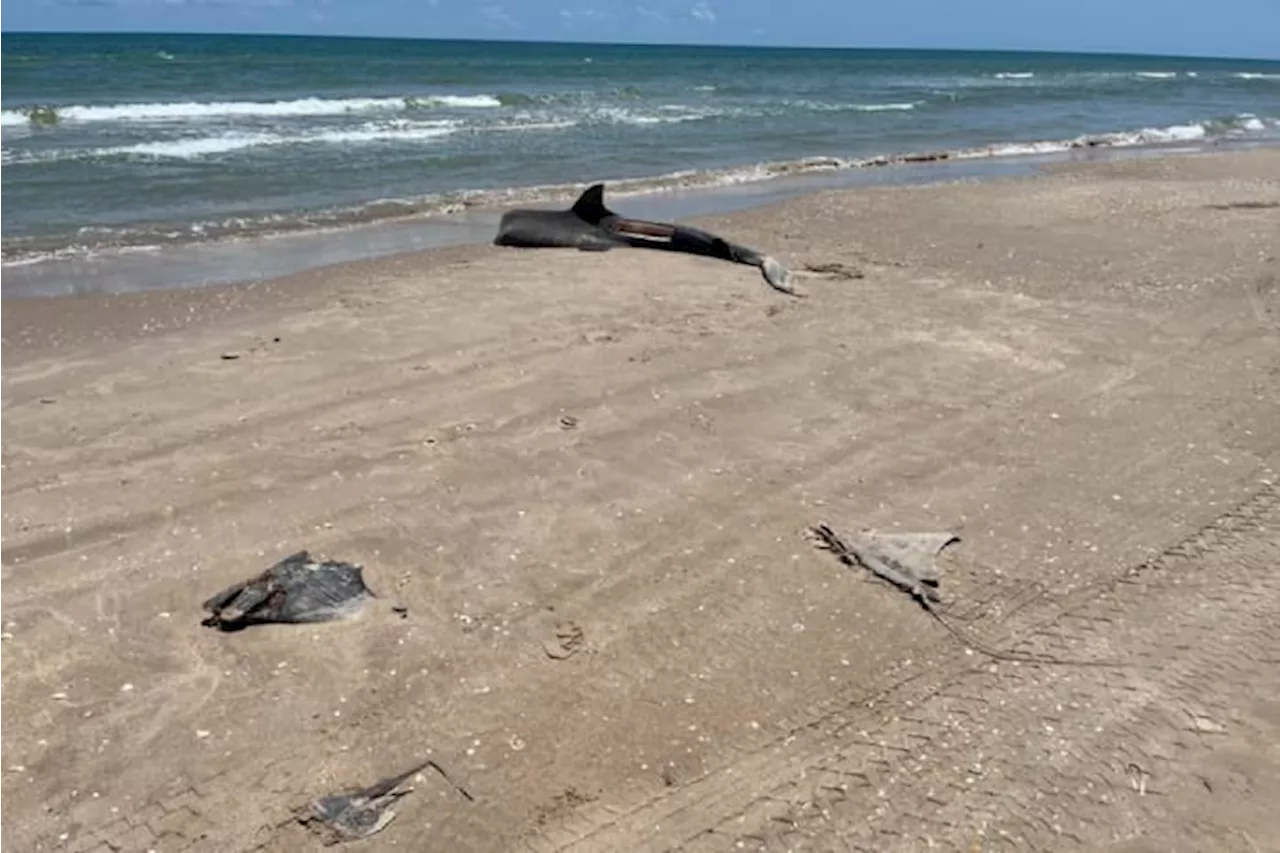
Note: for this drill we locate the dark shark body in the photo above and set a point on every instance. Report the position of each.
(591, 227)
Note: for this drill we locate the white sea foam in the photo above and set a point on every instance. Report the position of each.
(820, 106)
(1119, 139)
(1173, 133)
(197, 111)
(1156, 75)
(1255, 75)
(668, 114)
(1015, 75)
(28, 260)
(523, 126)
(188, 149)
(191, 149)
(1014, 149)
(880, 108)
(388, 131)
(464, 101)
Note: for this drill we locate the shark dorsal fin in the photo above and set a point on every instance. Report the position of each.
(590, 205)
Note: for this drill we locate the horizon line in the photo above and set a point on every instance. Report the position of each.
(725, 45)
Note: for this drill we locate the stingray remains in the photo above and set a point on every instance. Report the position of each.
(909, 562)
(361, 812)
(296, 589)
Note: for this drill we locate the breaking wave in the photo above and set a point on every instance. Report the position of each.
(879, 108)
(819, 106)
(192, 148)
(187, 148)
(571, 97)
(370, 132)
(197, 110)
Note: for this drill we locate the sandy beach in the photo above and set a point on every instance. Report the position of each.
(579, 485)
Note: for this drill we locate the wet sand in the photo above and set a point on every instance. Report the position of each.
(586, 479)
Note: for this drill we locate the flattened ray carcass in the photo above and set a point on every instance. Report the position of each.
(296, 589)
(362, 812)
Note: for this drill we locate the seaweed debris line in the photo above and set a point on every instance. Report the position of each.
(591, 227)
(296, 589)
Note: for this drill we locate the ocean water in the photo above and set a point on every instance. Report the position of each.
(132, 142)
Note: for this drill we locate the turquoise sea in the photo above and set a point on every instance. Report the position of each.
(135, 142)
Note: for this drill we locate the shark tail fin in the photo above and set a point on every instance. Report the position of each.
(590, 205)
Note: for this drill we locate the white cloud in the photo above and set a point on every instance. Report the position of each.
(652, 14)
(498, 17)
(703, 12)
(587, 15)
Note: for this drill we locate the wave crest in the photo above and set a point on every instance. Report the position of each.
(202, 110)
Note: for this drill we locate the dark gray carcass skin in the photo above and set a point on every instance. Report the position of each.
(297, 589)
(362, 812)
(591, 227)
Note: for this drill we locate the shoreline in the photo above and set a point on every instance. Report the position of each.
(472, 218)
(38, 326)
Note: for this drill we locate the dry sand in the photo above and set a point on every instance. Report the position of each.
(1077, 373)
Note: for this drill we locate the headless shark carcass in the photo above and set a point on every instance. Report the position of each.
(297, 589)
(591, 227)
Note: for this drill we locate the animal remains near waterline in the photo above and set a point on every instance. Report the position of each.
(591, 227)
(296, 589)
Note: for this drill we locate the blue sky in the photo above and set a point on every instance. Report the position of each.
(1249, 28)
